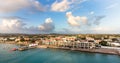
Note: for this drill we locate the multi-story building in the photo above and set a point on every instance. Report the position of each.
(86, 45)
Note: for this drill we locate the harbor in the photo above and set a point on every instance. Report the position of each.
(103, 50)
(49, 55)
(24, 48)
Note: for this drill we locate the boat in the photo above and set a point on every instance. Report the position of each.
(14, 49)
(32, 47)
(23, 48)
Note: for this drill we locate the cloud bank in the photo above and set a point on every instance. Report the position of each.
(75, 20)
(64, 5)
(16, 25)
(7, 6)
(83, 24)
(47, 26)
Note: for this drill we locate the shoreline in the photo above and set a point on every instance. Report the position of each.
(99, 50)
(92, 51)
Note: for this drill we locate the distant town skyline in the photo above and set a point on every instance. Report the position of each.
(60, 16)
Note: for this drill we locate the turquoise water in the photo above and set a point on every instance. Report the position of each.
(52, 56)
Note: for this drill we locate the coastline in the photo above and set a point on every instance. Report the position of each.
(99, 50)
(53, 56)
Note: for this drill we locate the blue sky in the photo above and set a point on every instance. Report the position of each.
(60, 16)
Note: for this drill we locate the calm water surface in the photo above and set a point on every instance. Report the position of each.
(52, 56)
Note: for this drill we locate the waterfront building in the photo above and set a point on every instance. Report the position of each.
(86, 45)
(114, 44)
(69, 42)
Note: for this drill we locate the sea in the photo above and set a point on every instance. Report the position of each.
(47, 55)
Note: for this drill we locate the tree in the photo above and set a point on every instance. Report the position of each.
(103, 43)
(114, 39)
(32, 41)
(22, 39)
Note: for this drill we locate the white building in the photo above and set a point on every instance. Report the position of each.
(114, 44)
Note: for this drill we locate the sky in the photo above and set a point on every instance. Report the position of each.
(60, 16)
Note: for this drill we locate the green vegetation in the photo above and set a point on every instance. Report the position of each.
(103, 43)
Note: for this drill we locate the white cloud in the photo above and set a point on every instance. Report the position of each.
(60, 6)
(11, 25)
(75, 20)
(38, 6)
(48, 26)
(16, 5)
(16, 25)
(64, 5)
(84, 24)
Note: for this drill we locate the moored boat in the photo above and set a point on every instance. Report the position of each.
(23, 48)
(14, 49)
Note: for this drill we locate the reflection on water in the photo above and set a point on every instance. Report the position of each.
(52, 56)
